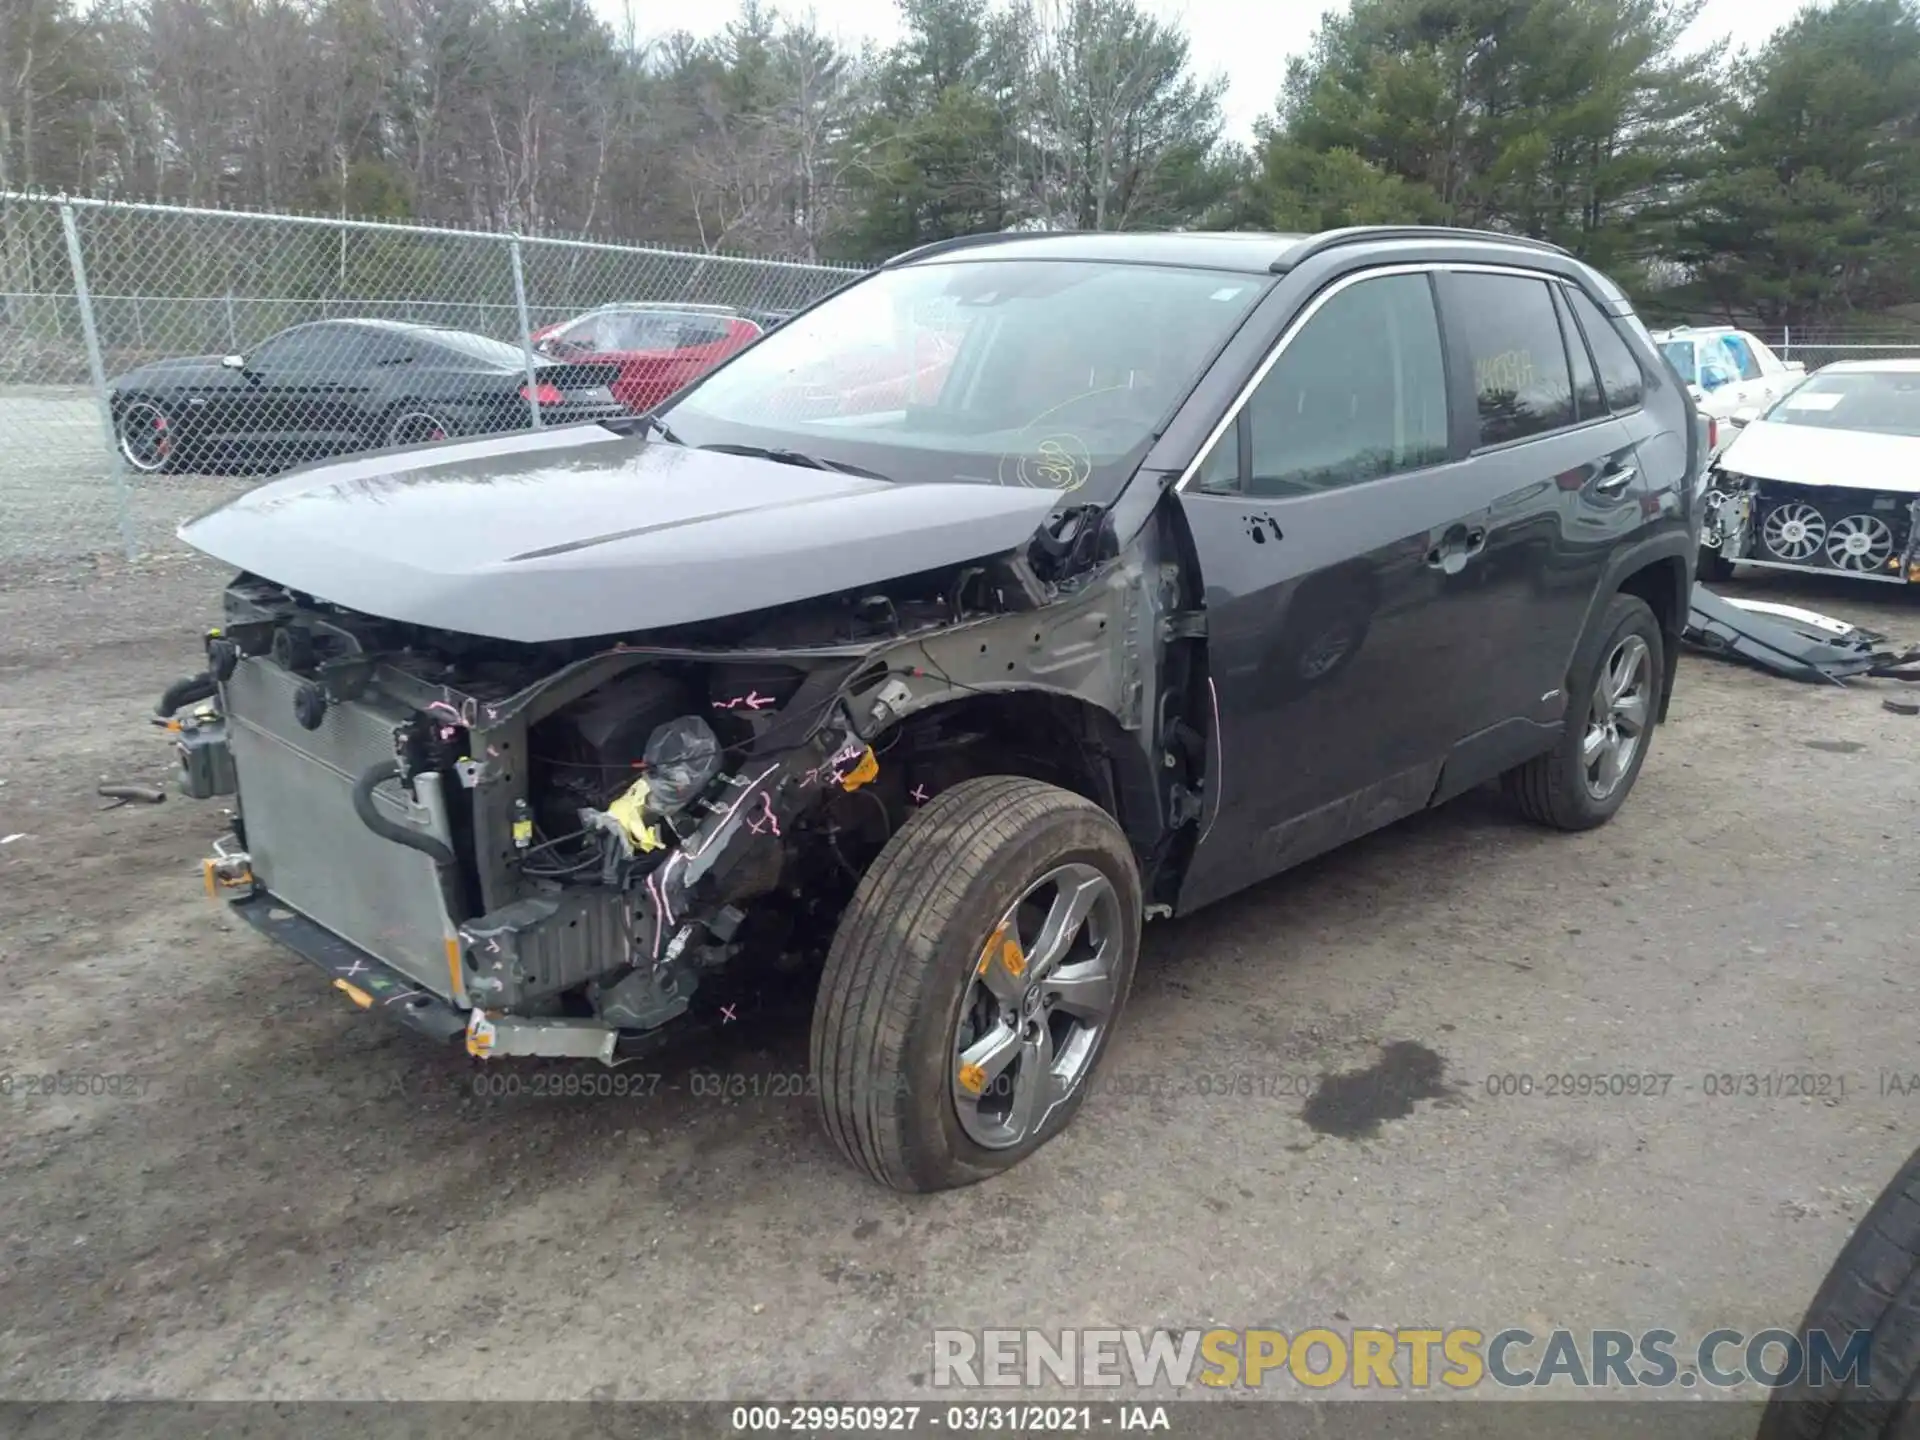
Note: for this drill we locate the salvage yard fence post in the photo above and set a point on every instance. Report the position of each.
(97, 370)
(526, 328)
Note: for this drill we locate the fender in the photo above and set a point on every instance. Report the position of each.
(1673, 550)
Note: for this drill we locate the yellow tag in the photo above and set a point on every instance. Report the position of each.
(1011, 957)
(480, 1035)
(354, 993)
(523, 830)
(629, 811)
(868, 767)
(973, 1079)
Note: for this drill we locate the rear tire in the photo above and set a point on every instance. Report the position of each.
(1586, 777)
(1874, 1285)
(144, 430)
(415, 425)
(919, 978)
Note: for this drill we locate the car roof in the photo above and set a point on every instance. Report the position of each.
(1686, 332)
(671, 306)
(1895, 365)
(1251, 252)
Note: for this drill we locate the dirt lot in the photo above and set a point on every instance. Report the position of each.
(297, 1201)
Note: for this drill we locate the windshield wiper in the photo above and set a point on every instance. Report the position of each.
(798, 457)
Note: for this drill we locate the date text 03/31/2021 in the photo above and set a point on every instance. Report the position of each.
(949, 1419)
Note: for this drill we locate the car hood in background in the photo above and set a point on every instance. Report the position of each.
(178, 366)
(1811, 455)
(580, 531)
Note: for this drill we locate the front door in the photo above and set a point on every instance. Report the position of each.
(1332, 522)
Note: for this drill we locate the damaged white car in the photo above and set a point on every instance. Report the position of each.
(1828, 479)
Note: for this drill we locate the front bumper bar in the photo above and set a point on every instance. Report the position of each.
(367, 981)
(374, 985)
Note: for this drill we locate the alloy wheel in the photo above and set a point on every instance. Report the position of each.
(415, 427)
(1037, 1005)
(146, 441)
(1617, 717)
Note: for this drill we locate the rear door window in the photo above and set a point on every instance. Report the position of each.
(1523, 385)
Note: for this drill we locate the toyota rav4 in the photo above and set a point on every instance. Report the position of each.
(1183, 559)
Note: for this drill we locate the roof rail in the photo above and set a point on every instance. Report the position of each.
(1355, 234)
(964, 242)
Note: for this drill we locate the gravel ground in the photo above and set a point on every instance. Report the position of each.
(300, 1202)
(61, 489)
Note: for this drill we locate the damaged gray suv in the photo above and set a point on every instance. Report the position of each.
(1023, 590)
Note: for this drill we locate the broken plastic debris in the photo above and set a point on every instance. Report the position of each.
(682, 757)
(629, 811)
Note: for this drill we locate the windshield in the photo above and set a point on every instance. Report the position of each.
(479, 347)
(1679, 354)
(1046, 373)
(1882, 402)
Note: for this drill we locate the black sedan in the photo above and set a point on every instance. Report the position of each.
(337, 386)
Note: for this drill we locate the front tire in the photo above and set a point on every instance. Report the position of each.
(974, 983)
(1874, 1286)
(1611, 706)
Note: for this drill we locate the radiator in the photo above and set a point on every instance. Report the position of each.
(307, 846)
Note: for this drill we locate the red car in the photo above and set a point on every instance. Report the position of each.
(659, 348)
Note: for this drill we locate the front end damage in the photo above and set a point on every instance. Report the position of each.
(1863, 533)
(563, 849)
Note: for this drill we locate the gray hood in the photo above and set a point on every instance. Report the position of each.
(572, 532)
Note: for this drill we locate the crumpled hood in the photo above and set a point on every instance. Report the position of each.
(1813, 455)
(579, 531)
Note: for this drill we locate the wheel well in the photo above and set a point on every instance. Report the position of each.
(1052, 738)
(1665, 584)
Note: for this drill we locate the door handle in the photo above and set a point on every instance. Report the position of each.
(1616, 481)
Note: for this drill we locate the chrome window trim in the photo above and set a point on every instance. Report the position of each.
(1300, 322)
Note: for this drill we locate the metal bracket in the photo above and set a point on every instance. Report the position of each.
(1184, 625)
(473, 773)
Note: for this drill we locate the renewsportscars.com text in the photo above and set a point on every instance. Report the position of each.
(1399, 1359)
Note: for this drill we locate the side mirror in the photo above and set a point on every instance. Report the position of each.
(234, 362)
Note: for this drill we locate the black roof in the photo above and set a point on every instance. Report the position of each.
(1248, 251)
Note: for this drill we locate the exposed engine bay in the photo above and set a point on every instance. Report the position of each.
(559, 848)
(1872, 535)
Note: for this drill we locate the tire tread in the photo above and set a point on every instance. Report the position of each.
(881, 960)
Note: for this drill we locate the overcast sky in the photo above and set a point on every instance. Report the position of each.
(1248, 41)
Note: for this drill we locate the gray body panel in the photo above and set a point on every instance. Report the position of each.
(577, 532)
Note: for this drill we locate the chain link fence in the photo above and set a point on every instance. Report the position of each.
(156, 360)
(1827, 345)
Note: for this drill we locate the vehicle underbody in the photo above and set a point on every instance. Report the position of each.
(564, 849)
(1846, 530)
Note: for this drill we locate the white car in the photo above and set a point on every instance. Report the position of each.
(1827, 479)
(1733, 374)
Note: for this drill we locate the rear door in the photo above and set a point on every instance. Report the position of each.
(1561, 478)
(1327, 515)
